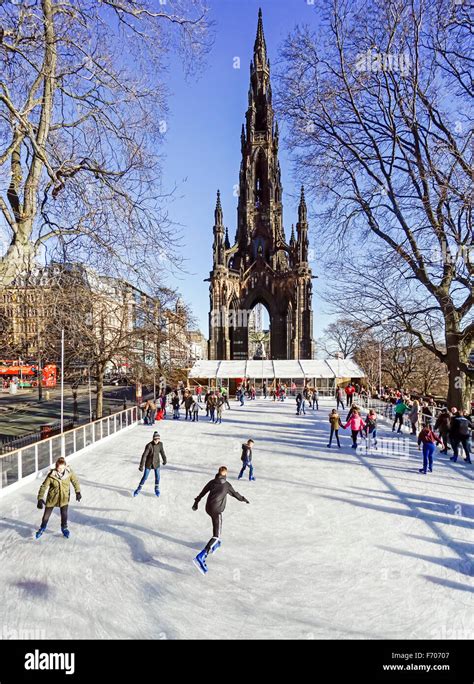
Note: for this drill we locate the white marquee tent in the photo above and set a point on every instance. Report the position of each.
(274, 370)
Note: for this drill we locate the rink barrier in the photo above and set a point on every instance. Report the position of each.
(32, 461)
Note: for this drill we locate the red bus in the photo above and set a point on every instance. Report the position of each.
(25, 373)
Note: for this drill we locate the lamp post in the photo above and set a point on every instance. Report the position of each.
(90, 394)
(62, 392)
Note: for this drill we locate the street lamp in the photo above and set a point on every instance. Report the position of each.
(62, 392)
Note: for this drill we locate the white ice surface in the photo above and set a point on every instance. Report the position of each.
(334, 543)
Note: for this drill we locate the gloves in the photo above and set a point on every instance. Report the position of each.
(40, 503)
(164, 462)
(246, 500)
(140, 469)
(78, 496)
(195, 506)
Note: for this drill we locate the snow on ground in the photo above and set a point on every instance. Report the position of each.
(334, 544)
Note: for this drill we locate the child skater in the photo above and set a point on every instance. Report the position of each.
(246, 459)
(335, 423)
(371, 429)
(356, 424)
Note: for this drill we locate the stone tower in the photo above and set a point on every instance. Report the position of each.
(260, 267)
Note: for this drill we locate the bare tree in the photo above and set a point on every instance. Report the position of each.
(379, 104)
(82, 113)
(341, 337)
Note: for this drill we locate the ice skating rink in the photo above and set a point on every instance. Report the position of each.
(334, 544)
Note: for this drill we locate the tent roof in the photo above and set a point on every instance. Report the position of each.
(269, 370)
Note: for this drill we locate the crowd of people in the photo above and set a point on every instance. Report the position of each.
(449, 428)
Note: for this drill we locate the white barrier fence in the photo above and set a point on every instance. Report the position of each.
(17, 467)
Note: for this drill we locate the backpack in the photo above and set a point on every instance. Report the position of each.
(463, 427)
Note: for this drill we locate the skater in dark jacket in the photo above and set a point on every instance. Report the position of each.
(57, 484)
(217, 490)
(151, 461)
(246, 459)
(175, 404)
(459, 436)
(188, 402)
(443, 425)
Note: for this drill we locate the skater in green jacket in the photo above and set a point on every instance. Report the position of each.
(57, 484)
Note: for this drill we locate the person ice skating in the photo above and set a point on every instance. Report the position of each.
(225, 397)
(371, 428)
(356, 424)
(220, 401)
(339, 398)
(57, 484)
(459, 435)
(443, 425)
(400, 409)
(298, 399)
(350, 391)
(426, 414)
(315, 399)
(428, 438)
(195, 408)
(151, 461)
(414, 416)
(264, 390)
(246, 459)
(217, 490)
(175, 405)
(335, 423)
(188, 402)
(211, 404)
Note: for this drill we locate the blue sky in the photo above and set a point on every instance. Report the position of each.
(202, 142)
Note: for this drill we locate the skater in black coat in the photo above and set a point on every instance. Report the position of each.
(217, 490)
(246, 459)
(152, 457)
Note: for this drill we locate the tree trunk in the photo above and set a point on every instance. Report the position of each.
(100, 392)
(459, 383)
(19, 258)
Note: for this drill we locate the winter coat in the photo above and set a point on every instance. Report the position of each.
(371, 424)
(246, 453)
(460, 427)
(355, 422)
(218, 488)
(443, 422)
(400, 408)
(188, 402)
(414, 413)
(175, 402)
(151, 456)
(427, 436)
(335, 421)
(58, 487)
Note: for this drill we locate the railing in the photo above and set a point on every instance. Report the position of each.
(13, 443)
(387, 410)
(28, 461)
